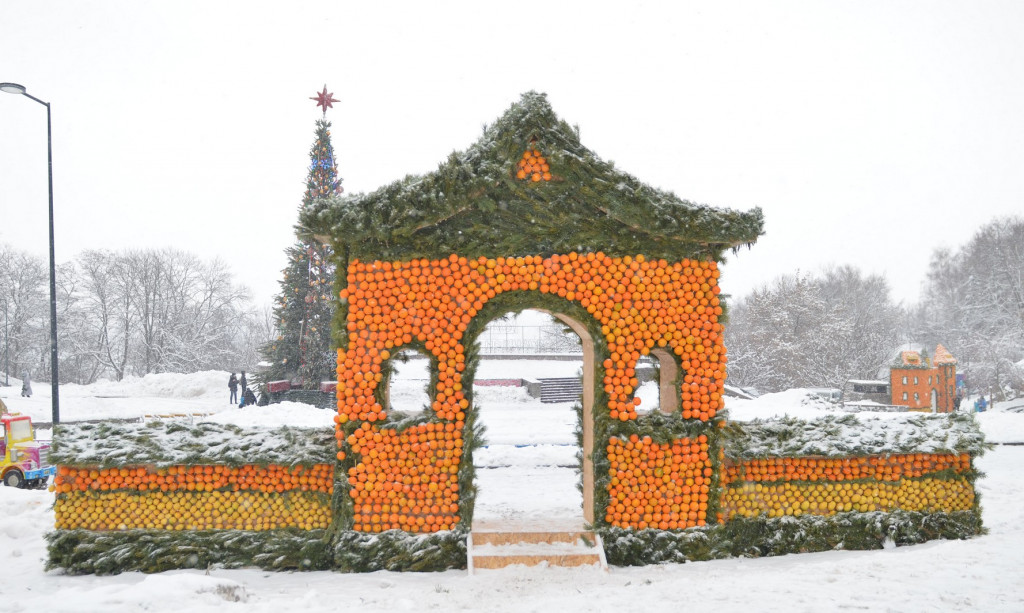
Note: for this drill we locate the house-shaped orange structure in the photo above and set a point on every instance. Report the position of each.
(526, 218)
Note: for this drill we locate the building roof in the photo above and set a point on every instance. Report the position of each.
(911, 358)
(943, 356)
(475, 204)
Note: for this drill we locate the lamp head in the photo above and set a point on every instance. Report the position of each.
(12, 88)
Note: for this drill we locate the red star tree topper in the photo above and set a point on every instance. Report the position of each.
(324, 99)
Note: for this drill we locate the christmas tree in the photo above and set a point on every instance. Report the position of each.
(302, 351)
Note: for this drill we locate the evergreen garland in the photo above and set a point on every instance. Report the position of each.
(80, 552)
(395, 550)
(828, 436)
(474, 205)
(763, 536)
(168, 443)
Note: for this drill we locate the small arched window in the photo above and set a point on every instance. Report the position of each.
(408, 383)
(658, 376)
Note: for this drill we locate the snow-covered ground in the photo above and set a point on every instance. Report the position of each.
(981, 574)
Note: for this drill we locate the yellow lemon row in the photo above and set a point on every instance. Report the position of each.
(776, 500)
(191, 511)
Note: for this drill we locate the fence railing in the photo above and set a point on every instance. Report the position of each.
(528, 340)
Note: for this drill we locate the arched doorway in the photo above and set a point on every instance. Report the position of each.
(535, 470)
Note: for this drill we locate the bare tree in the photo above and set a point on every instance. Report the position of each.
(975, 305)
(23, 281)
(803, 331)
(107, 300)
(143, 311)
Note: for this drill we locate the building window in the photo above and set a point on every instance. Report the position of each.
(904, 380)
(915, 380)
(917, 397)
(904, 395)
(929, 379)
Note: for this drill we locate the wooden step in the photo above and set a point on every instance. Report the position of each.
(497, 549)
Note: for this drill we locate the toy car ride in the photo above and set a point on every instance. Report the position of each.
(24, 461)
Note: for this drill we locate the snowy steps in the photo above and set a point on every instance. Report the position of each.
(489, 549)
(560, 389)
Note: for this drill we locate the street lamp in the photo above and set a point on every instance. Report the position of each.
(14, 88)
(7, 343)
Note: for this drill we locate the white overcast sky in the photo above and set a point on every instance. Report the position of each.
(870, 132)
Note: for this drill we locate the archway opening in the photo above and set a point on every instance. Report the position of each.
(532, 473)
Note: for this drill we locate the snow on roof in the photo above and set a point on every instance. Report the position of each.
(943, 356)
(910, 358)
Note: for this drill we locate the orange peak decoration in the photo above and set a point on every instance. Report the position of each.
(533, 166)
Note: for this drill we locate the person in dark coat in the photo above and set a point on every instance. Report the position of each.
(248, 398)
(26, 385)
(244, 383)
(233, 386)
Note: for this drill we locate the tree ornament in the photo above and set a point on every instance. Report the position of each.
(324, 99)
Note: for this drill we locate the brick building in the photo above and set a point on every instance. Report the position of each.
(924, 384)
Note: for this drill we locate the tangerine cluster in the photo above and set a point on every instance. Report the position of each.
(215, 510)
(639, 304)
(792, 498)
(663, 486)
(533, 166)
(317, 478)
(409, 481)
(881, 468)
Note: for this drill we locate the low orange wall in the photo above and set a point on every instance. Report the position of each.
(825, 486)
(194, 497)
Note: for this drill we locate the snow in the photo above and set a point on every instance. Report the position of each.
(527, 442)
(981, 574)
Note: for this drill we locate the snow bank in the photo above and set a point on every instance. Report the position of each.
(1002, 427)
(292, 414)
(203, 384)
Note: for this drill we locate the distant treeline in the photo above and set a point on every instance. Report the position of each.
(128, 312)
(812, 330)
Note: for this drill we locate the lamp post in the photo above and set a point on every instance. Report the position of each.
(14, 88)
(7, 343)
